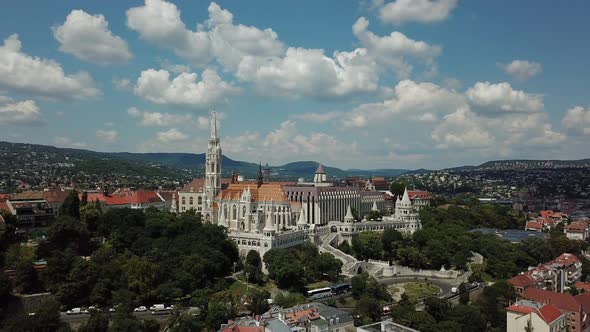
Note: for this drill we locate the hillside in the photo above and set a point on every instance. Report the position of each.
(162, 164)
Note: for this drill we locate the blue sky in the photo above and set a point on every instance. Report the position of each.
(353, 84)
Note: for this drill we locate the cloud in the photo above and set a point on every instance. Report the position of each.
(310, 73)
(501, 97)
(395, 50)
(577, 119)
(134, 112)
(88, 38)
(420, 11)
(410, 97)
(287, 143)
(171, 135)
(123, 84)
(522, 70)
(65, 141)
(255, 55)
(108, 136)
(461, 128)
(318, 117)
(19, 112)
(184, 90)
(159, 22)
(26, 74)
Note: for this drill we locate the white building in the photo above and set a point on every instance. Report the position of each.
(541, 317)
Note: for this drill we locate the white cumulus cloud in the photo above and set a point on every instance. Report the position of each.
(19, 112)
(522, 70)
(183, 90)
(502, 97)
(395, 50)
(421, 11)
(578, 119)
(171, 135)
(88, 38)
(27, 74)
(107, 136)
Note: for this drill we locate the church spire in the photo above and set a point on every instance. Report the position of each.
(214, 125)
(259, 178)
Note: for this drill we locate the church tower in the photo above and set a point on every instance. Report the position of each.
(212, 170)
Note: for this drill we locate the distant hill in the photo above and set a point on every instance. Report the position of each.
(191, 161)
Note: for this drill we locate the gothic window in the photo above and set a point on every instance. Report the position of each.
(234, 213)
(243, 211)
(184, 200)
(190, 200)
(199, 200)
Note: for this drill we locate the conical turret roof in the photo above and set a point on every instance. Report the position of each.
(320, 170)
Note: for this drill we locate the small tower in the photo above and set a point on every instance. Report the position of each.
(320, 175)
(301, 223)
(234, 177)
(222, 221)
(260, 177)
(269, 229)
(174, 206)
(349, 218)
(375, 208)
(212, 168)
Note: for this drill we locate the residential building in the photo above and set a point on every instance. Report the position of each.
(555, 275)
(539, 316)
(576, 308)
(577, 230)
(419, 198)
(387, 325)
(31, 213)
(126, 198)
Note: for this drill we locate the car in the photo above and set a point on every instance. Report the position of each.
(140, 309)
(94, 308)
(158, 307)
(85, 311)
(170, 307)
(74, 311)
(32, 314)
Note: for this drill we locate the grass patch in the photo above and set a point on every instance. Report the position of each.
(393, 289)
(319, 284)
(416, 290)
(346, 302)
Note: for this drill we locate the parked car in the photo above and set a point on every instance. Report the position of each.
(454, 290)
(140, 309)
(170, 307)
(94, 308)
(114, 308)
(74, 311)
(158, 307)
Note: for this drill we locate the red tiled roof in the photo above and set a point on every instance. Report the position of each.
(577, 227)
(583, 285)
(266, 192)
(3, 197)
(418, 194)
(549, 313)
(584, 300)
(145, 197)
(560, 300)
(523, 309)
(567, 259)
(55, 196)
(521, 280)
(108, 200)
(4, 206)
(533, 225)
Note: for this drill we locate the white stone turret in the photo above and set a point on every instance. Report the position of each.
(348, 218)
(301, 222)
(174, 207)
(320, 175)
(269, 225)
(222, 221)
(374, 208)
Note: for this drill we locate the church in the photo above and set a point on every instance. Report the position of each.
(261, 215)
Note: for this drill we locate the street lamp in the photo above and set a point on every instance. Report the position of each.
(247, 275)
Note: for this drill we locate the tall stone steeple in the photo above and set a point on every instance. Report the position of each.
(212, 169)
(260, 177)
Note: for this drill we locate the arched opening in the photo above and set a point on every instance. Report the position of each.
(200, 200)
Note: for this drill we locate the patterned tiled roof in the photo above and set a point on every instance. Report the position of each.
(266, 192)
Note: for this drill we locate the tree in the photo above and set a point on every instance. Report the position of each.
(345, 247)
(97, 322)
(84, 200)
(253, 267)
(436, 307)
(26, 278)
(284, 268)
(529, 326)
(258, 302)
(90, 216)
(253, 258)
(463, 294)
(71, 206)
(397, 188)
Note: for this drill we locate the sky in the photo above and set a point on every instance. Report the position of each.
(352, 84)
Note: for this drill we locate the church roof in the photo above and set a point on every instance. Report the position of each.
(198, 185)
(266, 192)
(320, 170)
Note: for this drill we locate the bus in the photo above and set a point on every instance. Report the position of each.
(319, 293)
(340, 288)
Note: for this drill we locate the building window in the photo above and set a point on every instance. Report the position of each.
(190, 201)
(184, 200)
(200, 200)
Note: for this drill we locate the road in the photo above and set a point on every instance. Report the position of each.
(81, 318)
(444, 284)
